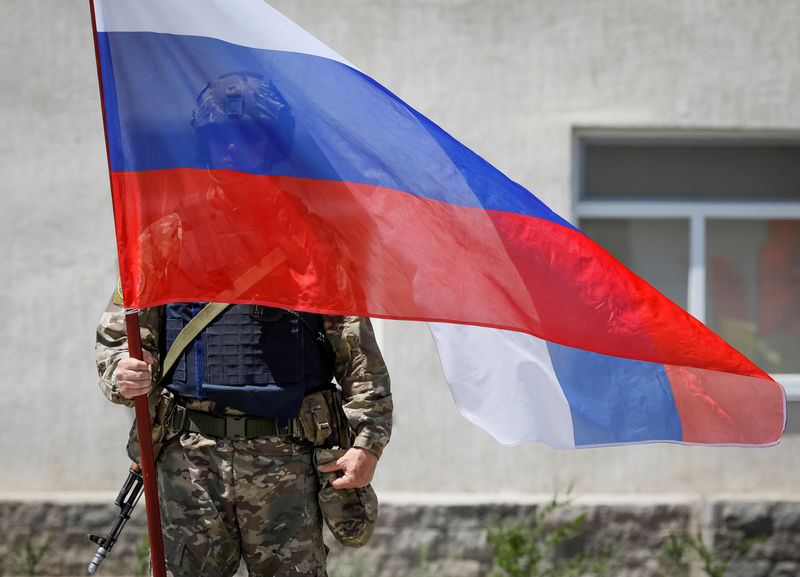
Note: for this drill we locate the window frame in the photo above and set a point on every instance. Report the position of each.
(696, 212)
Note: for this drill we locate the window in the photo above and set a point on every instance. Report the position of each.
(712, 221)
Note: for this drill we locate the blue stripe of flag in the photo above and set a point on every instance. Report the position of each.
(614, 400)
(348, 127)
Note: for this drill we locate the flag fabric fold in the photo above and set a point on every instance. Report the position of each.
(375, 210)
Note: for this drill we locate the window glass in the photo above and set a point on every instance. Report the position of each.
(691, 171)
(655, 249)
(753, 289)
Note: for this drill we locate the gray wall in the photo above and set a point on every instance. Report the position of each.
(510, 79)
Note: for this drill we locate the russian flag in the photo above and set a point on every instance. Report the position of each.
(367, 207)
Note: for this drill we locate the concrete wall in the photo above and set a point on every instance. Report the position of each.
(511, 79)
(448, 538)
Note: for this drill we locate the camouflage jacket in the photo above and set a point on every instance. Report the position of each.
(360, 370)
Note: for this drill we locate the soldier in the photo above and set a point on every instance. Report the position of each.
(254, 395)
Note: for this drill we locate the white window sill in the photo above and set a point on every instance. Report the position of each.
(790, 383)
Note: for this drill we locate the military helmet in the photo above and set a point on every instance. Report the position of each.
(244, 99)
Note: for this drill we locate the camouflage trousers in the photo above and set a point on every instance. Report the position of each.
(223, 500)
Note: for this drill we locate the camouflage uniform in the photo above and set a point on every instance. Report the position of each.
(254, 498)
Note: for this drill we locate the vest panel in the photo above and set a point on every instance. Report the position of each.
(259, 360)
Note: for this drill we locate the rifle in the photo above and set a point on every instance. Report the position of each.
(126, 500)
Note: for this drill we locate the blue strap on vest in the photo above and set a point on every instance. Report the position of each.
(198, 355)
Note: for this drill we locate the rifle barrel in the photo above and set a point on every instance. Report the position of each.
(128, 496)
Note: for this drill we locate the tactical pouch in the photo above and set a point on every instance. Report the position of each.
(350, 514)
(162, 407)
(316, 419)
(323, 420)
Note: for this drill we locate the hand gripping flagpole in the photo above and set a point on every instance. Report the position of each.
(141, 405)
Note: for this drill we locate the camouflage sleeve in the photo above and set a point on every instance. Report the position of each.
(362, 374)
(111, 344)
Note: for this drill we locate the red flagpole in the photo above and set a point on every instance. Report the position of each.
(146, 458)
(142, 409)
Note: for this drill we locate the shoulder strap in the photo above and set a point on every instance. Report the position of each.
(200, 321)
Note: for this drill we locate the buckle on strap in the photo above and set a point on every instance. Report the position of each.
(177, 419)
(235, 427)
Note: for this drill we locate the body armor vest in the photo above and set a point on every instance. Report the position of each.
(256, 359)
